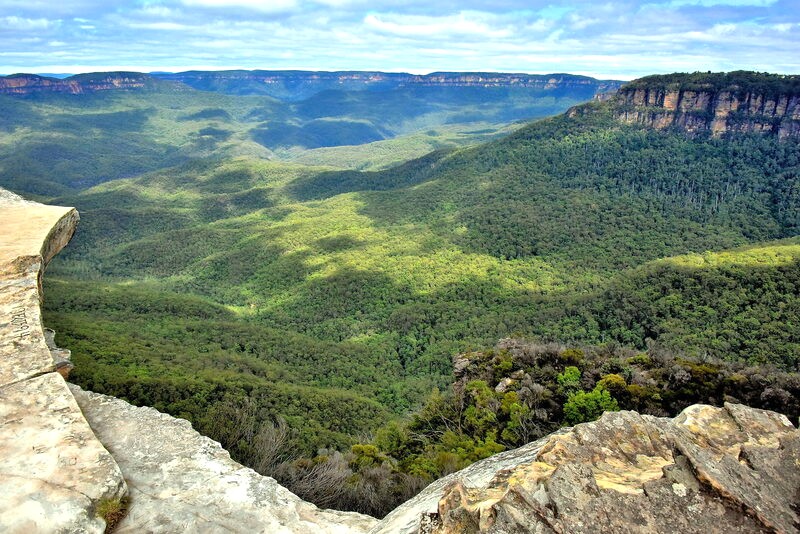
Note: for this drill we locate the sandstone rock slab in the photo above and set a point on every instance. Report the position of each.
(181, 481)
(405, 519)
(23, 348)
(30, 236)
(731, 469)
(53, 471)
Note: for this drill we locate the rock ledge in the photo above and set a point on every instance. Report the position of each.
(731, 469)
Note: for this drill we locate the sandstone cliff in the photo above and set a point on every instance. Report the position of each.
(26, 84)
(65, 451)
(716, 103)
(298, 85)
(53, 470)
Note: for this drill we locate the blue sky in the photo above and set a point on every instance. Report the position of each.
(616, 39)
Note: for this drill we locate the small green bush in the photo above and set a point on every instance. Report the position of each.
(112, 511)
(582, 407)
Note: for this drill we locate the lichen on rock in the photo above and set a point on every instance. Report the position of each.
(708, 470)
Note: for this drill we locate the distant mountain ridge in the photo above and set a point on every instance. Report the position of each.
(298, 85)
(26, 84)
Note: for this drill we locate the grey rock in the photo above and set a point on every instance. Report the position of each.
(53, 471)
(181, 481)
(405, 519)
(709, 470)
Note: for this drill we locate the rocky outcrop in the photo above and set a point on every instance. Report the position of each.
(26, 84)
(731, 469)
(422, 510)
(715, 103)
(181, 481)
(53, 471)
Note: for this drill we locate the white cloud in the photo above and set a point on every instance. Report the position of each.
(578, 22)
(19, 23)
(339, 3)
(540, 25)
(160, 26)
(785, 27)
(158, 11)
(710, 3)
(464, 23)
(266, 6)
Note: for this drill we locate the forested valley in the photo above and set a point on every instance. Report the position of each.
(334, 318)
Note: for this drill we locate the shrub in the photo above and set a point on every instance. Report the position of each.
(582, 407)
(112, 511)
(570, 378)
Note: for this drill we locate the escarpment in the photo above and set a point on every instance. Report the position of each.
(26, 84)
(297, 85)
(54, 472)
(66, 452)
(735, 102)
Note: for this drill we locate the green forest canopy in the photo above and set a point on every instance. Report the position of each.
(366, 283)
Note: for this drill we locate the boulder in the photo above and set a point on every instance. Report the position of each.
(731, 469)
(180, 481)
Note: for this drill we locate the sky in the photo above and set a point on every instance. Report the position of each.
(621, 39)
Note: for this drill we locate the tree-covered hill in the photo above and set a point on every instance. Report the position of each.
(53, 142)
(358, 287)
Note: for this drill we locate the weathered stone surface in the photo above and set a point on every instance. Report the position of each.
(30, 236)
(181, 481)
(716, 111)
(33, 229)
(405, 518)
(731, 469)
(53, 471)
(23, 349)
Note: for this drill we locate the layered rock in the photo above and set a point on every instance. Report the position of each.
(731, 469)
(299, 85)
(181, 481)
(718, 103)
(53, 471)
(26, 84)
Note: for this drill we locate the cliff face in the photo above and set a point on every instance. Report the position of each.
(718, 105)
(26, 84)
(298, 85)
